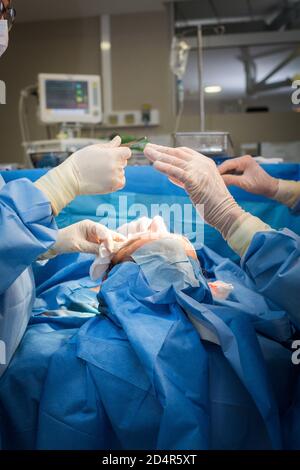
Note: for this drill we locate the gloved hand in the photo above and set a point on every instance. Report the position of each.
(83, 237)
(252, 178)
(199, 176)
(249, 176)
(97, 169)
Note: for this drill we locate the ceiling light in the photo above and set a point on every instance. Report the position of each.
(213, 89)
(105, 46)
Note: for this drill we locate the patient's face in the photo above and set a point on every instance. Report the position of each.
(126, 252)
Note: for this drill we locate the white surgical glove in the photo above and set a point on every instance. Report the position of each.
(249, 176)
(97, 169)
(199, 176)
(83, 237)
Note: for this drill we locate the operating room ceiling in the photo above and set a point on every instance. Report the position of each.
(233, 83)
(229, 8)
(37, 10)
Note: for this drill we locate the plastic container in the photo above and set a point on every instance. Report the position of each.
(212, 144)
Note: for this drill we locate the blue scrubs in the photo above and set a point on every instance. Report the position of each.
(139, 375)
(273, 263)
(28, 229)
(119, 379)
(296, 209)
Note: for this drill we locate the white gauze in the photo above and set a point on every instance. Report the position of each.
(133, 230)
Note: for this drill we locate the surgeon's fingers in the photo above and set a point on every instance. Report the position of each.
(155, 155)
(170, 159)
(176, 182)
(234, 180)
(171, 171)
(190, 151)
(235, 164)
(89, 247)
(152, 151)
(117, 238)
(123, 154)
(98, 234)
(114, 143)
(178, 150)
(108, 237)
(228, 166)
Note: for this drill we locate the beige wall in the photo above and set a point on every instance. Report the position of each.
(54, 47)
(140, 57)
(251, 127)
(140, 45)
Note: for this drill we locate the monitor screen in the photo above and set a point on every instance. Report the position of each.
(67, 95)
(70, 98)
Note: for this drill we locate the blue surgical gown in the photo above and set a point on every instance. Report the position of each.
(28, 229)
(273, 263)
(139, 375)
(296, 209)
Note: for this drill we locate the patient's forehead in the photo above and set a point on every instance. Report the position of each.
(160, 239)
(173, 239)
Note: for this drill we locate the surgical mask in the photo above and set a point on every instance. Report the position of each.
(164, 263)
(3, 36)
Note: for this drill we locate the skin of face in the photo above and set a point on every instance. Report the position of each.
(6, 3)
(124, 254)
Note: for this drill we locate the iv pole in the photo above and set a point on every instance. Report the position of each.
(200, 75)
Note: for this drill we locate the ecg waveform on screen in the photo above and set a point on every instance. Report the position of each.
(67, 95)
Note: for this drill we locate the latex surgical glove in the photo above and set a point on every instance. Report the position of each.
(288, 193)
(252, 178)
(199, 176)
(84, 237)
(247, 174)
(96, 169)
